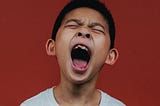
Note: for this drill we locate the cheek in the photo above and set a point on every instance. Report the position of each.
(102, 43)
(64, 35)
(63, 39)
(62, 50)
(61, 43)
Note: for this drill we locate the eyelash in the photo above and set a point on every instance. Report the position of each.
(75, 26)
(71, 26)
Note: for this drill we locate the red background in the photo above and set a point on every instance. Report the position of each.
(25, 68)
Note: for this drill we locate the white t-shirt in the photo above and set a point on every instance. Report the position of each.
(47, 98)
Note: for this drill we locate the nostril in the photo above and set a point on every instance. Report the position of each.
(83, 35)
(79, 34)
(88, 35)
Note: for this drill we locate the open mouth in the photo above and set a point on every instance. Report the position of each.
(80, 55)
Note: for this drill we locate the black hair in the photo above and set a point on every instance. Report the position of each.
(93, 4)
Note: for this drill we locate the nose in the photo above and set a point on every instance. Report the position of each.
(84, 33)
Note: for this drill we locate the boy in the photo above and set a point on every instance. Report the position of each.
(82, 41)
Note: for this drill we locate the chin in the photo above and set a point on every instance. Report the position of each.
(81, 79)
(79, 82)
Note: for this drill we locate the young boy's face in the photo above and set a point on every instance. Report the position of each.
(82, 45)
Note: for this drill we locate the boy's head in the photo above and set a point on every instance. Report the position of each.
(83, 39)
(93, 4)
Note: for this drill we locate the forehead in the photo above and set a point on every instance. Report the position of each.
(86, 15)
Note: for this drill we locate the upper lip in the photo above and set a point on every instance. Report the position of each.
(82, 45)
(87, 45)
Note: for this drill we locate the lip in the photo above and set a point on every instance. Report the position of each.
(89, 49)
(84, 42)
(78, 69)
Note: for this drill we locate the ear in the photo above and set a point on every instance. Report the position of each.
(50, 47)
(112, 56)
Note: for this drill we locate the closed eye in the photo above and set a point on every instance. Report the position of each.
(72, 24)
(98, 29)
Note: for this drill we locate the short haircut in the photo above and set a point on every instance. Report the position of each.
(93, 4)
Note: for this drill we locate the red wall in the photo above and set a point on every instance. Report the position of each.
(25, 68)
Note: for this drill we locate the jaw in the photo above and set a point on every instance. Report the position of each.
(76, 74)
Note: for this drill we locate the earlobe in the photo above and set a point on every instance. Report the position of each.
(112, 56)
(50, 47)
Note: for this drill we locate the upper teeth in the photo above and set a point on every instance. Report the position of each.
(82, 47)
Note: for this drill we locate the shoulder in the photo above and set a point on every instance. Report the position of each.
(39, 99)
(108, 100)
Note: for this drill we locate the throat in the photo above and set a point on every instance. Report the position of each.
(74, 96)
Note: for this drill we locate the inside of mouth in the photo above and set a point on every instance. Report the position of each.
(80, 57)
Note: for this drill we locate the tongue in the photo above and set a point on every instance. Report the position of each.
(79, 63)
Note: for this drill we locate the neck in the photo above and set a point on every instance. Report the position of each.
(69, 93)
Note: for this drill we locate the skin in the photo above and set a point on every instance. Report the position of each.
(78, 89)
